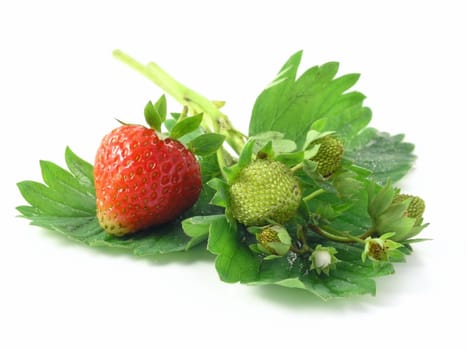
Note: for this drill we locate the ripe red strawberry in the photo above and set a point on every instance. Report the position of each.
(142, 180)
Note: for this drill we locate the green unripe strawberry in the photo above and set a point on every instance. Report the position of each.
(274, 240)
(416, 206)
(329, 156)
(266, 236)
(264, 190)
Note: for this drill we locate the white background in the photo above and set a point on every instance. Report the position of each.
(60, 86)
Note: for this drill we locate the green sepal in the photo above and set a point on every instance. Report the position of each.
(279, 248)
(279, 144)
(152, 117)
(161, 108)
(169, 124)
(388, 216)
(310, 169)
(175, 115)
(314, 135)
(290, 159)
(393, 220)
(320, 265)
(382, 249)
(266, 151)
(311, 152)
(206, 144)
(221, 196)
(273, 239)
(416, 229)
(244, 159)
(185, 126)
(415, 240)
(347, 184)
(379, 199)
(247, 154)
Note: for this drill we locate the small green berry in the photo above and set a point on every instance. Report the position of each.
(329, 156)
(266, 236)
(264, 191)
(274, 240)
(416, 206)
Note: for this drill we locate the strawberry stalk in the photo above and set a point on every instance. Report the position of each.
(214, 120)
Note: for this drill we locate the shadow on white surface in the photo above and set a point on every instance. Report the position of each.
(196, 254)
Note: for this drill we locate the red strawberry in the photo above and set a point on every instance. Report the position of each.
(142, 180)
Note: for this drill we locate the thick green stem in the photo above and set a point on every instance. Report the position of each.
(215, 120)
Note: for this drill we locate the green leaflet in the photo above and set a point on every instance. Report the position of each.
(315, 100)
(66, 204)
(388, 157)
(235, 262)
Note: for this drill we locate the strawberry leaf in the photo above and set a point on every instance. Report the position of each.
(315, 100)
(66, 204)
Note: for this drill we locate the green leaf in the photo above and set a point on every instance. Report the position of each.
(185, 126)
(386, 156)
(235, 262)
(315, 100)
(206, 144)
(66, 205)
